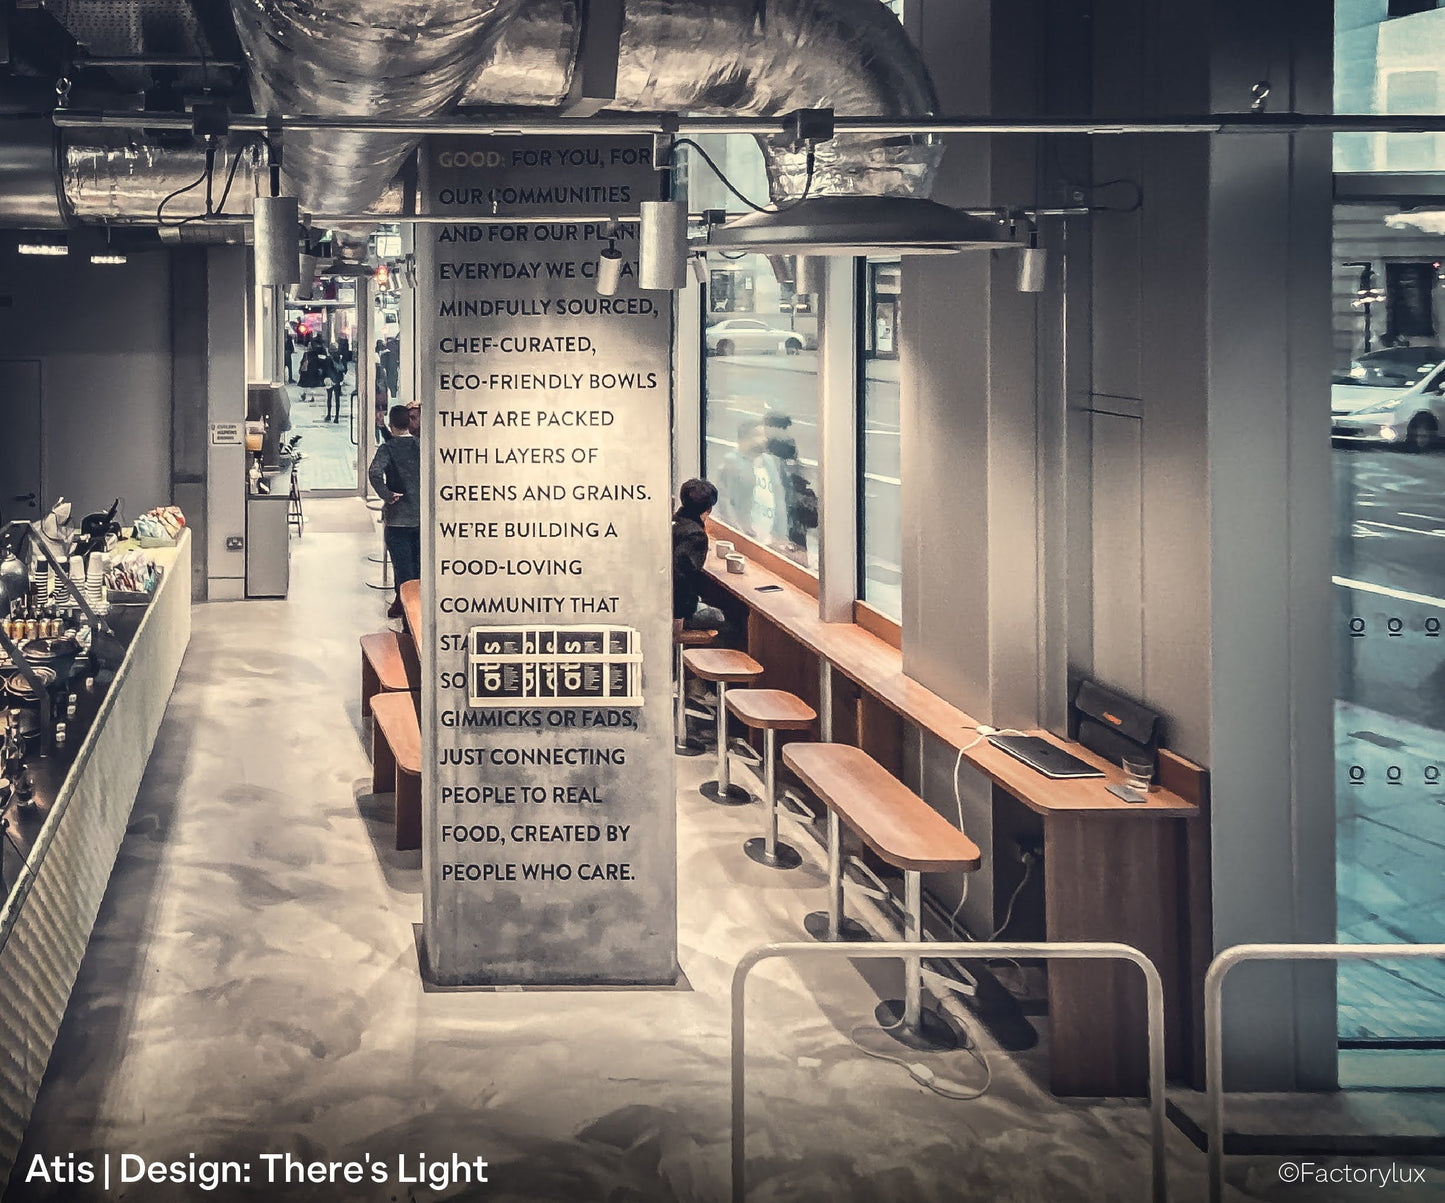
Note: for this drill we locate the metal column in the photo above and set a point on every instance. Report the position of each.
(767, 850)
(723, 791)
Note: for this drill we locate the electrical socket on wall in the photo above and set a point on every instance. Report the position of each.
(235, 542)
(1028, 848)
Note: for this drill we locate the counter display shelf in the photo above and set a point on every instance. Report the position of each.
(70, 839)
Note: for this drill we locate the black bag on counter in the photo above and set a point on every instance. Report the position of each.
(1113, 725)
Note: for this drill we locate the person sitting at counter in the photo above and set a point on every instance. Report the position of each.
(689, 554)
(395, 474)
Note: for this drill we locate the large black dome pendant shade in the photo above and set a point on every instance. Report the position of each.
(860, 225)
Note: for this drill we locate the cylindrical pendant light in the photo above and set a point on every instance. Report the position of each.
(306, 271)
(609, 271)
(1033, 267)
(812, 275)
(277, 224)
(662, 236)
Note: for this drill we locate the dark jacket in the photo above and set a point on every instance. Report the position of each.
(689, 554)
(309, 375)
(396, 468)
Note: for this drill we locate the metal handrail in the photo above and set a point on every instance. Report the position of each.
(1089, 951)
(1214, 1016)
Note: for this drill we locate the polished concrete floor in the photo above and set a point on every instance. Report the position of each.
(329, 454)
(252, 987)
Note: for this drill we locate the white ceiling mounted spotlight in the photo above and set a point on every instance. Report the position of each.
(609, 270)
(306, 273)
(277, 222)
(812, 275)
(861, 225)
(662, 239)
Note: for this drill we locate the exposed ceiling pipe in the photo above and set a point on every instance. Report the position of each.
(50, 179)
(122, 179)
(757, 57)
(378, 58)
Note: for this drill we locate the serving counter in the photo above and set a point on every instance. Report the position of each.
(71, 842)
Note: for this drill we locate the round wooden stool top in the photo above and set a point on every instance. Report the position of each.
(722, 664)
(690, 638)
(771, 709)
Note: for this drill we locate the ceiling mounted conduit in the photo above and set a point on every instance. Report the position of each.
(363, 58)
(759, 58)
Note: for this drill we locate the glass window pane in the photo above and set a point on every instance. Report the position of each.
(1389, 61)
(1388, 411)
(879, 514)
(760, 403)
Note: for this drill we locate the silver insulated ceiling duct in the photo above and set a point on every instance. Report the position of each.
(758, 57)
(360, 58)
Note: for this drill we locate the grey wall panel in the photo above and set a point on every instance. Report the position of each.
(102, 336)
(188, 401)
(945, 503)
(1271, 710)
(47, 919)
(1175, 392)
(1118, 317)
(1270, 499)
(1118, 552)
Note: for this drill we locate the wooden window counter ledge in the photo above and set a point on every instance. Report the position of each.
(877, 668)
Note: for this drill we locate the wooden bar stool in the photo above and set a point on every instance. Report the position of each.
(771, 711)
(682, 639)
(906, 833)
(723, 667)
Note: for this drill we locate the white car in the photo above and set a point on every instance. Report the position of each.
(744, 335)
(1392, 397)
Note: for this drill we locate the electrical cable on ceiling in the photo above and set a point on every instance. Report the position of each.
(1096, 185)
(231, 174)
(160, 208)
(728, 184)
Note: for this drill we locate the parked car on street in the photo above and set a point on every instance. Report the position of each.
(747, 335)
(1393, 397)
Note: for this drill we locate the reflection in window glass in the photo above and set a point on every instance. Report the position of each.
(1389, 60)
(760, 403)
(879, 515)
(1388, 411)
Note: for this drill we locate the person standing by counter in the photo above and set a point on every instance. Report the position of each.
(395, 474)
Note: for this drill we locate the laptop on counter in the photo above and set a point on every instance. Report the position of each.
(1043, 757)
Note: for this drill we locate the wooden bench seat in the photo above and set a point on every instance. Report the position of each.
(396, 761)
(909, 835)
(410, 594)
(891, 819)
(384, 667)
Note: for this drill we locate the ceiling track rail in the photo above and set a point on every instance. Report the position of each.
(605, 125)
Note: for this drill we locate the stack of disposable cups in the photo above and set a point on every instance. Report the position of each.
(95, 583)
(77, 578)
